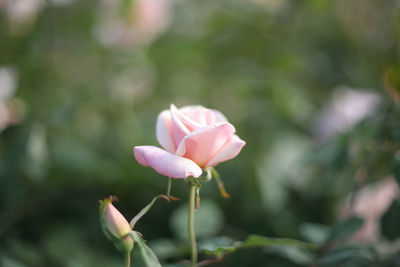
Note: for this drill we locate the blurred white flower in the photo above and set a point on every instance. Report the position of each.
(370, 203)
(23, 13)
(144, 21)
(346, 109)
(10, 109)
(8, 82)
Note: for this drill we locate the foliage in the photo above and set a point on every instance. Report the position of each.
(279, 70)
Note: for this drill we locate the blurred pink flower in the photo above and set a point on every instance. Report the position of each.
(144, 21)
(193, 137)
(370, 203)
(346, 109)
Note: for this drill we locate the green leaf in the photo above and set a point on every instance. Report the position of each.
(149, 257)
(294, 250)
(219, 246)
(391, 220)
(315, 233)
(258, 241)
(168, 248)
(393, 260)
(351, 255)
(346, 228)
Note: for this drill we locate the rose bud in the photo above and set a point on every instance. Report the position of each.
(115, 227)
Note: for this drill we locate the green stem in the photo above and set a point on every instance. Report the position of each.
(128, 259)
(192, 235)
(169, 186)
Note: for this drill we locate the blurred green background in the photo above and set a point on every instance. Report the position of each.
(311, 86)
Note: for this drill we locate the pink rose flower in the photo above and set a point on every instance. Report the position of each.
(193, 137)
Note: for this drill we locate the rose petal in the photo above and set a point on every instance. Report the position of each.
(179, 130)
(219, 117)
(228, 151)
(202, 144)
(197, 114)
(203, 116)
(116, 222)
(164, 131)
(166, 163)
(184, 116)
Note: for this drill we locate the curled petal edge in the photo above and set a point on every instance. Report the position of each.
(166, 163)
(230, 150)
(164, 131)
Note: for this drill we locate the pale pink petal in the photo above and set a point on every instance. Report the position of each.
(196, 114)
(202, 144)
(179, 130)
(219, 116)
(116, 222)
(164, 131)
(228, 151)
(184, 115)
(203, 116)
(166, 163)
(210, 117)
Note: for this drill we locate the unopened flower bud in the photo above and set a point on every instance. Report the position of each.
(115, 227)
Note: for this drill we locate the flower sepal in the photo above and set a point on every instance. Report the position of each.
(220, 184)
(210, 174)
(124, 245)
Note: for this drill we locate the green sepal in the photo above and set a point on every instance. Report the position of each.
(208, 175)
(220, 184)
(124, 245)
(149, 257)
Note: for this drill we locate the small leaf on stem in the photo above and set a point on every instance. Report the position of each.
(146, 209)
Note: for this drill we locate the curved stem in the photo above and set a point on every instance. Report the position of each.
(127, 260)
(192, 236)
(145, 210)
